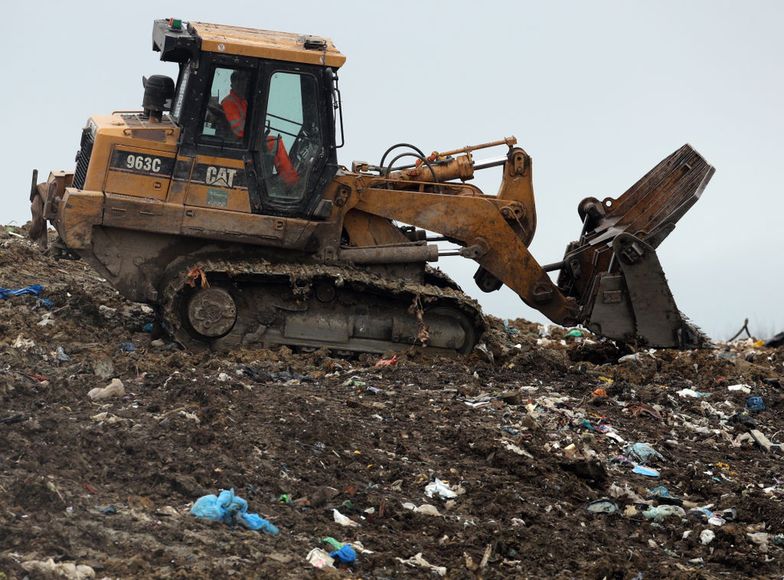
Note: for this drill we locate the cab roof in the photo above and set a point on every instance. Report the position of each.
(241, 41)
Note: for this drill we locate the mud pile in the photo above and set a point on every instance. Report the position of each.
(566, 456)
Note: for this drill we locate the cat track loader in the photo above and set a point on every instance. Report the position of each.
(222, 203)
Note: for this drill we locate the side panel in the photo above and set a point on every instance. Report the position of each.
(140, 172)
(218, 183)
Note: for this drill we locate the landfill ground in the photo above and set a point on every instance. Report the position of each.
(521, 431)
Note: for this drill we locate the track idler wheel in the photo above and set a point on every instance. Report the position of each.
(212, 312)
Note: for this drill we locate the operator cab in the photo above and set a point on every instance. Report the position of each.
(257, 114)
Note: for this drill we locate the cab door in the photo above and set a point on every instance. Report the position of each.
(292, 154)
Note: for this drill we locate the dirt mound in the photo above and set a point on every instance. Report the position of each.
(534, 433)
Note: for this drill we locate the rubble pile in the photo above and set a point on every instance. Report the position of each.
(544, 453)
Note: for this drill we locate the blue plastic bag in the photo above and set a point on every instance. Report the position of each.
(34, 289)
(230, 509)
(345, 555)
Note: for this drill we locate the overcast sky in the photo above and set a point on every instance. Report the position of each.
(596, 92)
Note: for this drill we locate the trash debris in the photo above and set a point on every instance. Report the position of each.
(112, 390)
(660, 513)
(341, 553)
(67, 570)
(760, 439)
(103, 368)
(23, 343)
(418, 561)
(425, 508)
(250, 418)
(231, 510)
(127, 347)
(642, 453)
(343, 520)
(438, 487)
(691, 393)
(602, 506)
(755, 404)
(32, 290)
(320, 559)
(646, 471)
(386, 362)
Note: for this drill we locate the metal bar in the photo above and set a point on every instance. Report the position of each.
(553, 267)
(390, 255)
(510, 141)
(489, 163)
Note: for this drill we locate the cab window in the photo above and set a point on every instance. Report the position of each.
(226, 114)
(293, 143)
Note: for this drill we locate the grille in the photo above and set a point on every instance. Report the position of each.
(83, 158)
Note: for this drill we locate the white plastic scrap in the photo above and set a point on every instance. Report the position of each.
(741, 387)
(706, 536)
(318, 558)
(23, 343)
(509, 446)
(113, 389)
(68, 570)
(343, 520)
(441, 489)
(426, 509)
(419, 561)
(691, 393)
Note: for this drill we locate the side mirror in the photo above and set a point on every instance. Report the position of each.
(158, 92)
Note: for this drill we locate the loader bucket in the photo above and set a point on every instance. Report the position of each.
(613, 271)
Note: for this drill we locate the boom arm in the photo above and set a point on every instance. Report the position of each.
(614, 261)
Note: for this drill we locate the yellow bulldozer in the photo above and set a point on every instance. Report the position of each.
(223, 204)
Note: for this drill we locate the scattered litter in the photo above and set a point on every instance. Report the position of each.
(320, 559)
(602, 506)
(660, 513)
(425, 508)
(740, 388)
(386, 362)
(343, 520)
(642, 453)
(439, 488)
(691, 393)
(110, 391)
(230, 509)
(341, 553)
(755, 404)
(418, 561)
(127, 347)
(32, 290)
(67, 570)
(706, 536)
(103, 368)
(646, 471)
(760, 439)
(516, 449)
(23, 343)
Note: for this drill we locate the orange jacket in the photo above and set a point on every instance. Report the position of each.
(282, 161)
(235, 108)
